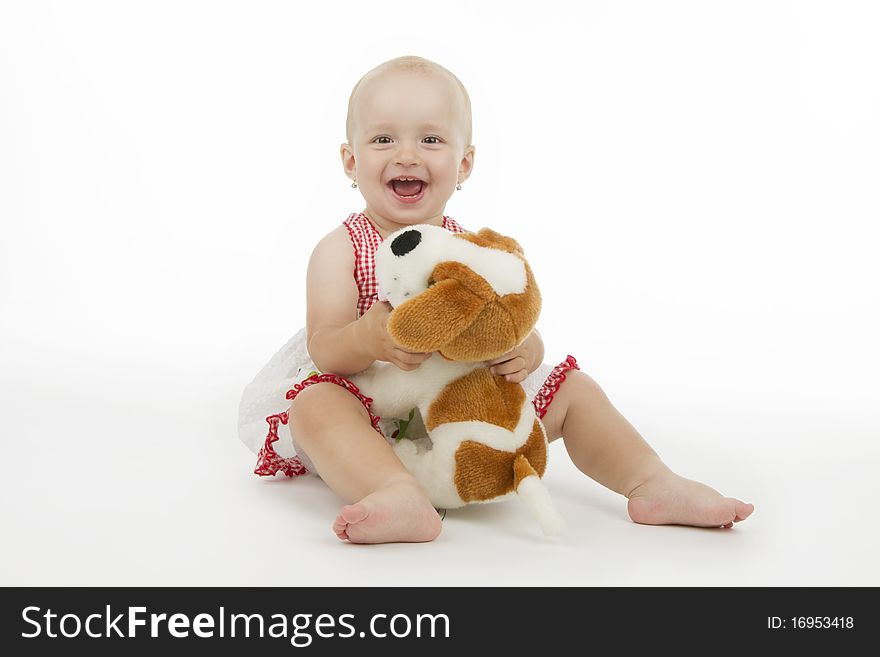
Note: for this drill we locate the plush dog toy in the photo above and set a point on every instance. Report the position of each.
(471, 298)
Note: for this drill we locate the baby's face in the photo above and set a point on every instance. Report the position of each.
(408, 125)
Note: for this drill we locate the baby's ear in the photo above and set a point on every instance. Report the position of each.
(432, 319)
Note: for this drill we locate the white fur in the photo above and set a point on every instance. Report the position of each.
(432, 470)
(492, 435)
(403, 277)
(395, 391)
(534, 495)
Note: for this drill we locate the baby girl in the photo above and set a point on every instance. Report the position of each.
(408, 149)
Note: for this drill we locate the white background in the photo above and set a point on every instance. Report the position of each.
(696, 187)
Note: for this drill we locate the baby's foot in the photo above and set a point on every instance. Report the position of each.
(668, 499)
(400, 512)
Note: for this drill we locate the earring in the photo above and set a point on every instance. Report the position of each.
(458, 186)
(354, 184)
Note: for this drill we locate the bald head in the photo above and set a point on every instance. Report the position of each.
(409, 64)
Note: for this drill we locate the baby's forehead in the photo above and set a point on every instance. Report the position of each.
(428, 94)
(383, 110)
(396, 78)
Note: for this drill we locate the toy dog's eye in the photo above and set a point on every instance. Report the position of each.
(431, 282)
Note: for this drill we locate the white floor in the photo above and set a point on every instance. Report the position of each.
(153, 488)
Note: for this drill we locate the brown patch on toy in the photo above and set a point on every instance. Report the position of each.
(490, 335)
(535, 449)
(523, 308)
(483, 472)
(466, 276)
(490, 239)
(501, 325)
(439, 314)
(522, 469)
(478, 396)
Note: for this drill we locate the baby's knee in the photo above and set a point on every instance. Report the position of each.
(576, 390)
(577, 383)
(320, 405)
(308, 407)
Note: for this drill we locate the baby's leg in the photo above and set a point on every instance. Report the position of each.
(333, 429)
(604, 446)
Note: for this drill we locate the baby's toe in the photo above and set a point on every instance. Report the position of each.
(743, 510)
(730, 511)
(354, 513)
(720, 515)
(339, 528)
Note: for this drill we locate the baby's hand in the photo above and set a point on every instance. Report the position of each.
(512, 365)
(379, 344)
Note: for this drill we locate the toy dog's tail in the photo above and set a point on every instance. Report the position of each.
(534, 495)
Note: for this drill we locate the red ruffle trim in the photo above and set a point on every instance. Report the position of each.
(551, 385)
(269, 462)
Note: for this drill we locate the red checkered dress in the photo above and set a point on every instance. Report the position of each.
(366, 240)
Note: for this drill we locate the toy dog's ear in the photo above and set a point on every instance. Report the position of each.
(454, 299)
(489, 238)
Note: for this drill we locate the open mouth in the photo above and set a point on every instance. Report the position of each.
(407, 189)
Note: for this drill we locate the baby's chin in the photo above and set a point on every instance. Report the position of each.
(414, 216)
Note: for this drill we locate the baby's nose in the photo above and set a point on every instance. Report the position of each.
(406, 155)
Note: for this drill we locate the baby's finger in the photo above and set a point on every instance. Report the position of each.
(411, 357)
(516, 377)
(501, 359)
(404, 365)
(509, 367)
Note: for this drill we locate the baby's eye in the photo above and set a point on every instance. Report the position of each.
(433, 137)
(383, 142)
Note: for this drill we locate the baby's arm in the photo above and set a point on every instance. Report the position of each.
(331, 302)
(337, 341)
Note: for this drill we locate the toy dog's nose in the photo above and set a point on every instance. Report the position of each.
(405, 242)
